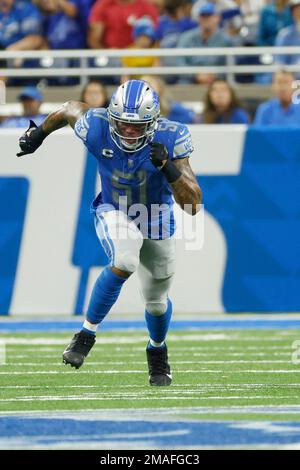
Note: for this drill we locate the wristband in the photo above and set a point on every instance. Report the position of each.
(171, 172)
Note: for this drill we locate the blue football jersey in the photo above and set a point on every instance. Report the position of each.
(129, 181)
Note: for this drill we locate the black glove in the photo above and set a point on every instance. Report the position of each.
(31, 139)
(158, 153)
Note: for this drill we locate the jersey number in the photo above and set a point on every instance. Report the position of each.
(127, 186)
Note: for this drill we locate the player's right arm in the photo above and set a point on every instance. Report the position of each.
(68, 113)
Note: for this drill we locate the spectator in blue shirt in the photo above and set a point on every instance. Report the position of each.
(282, 110)
(20, 26)
(171, 25)
(222, 105)
(207, 35)
(273, 18)
(170, 109)
(31, 99)
(63, 27)
(290, 36)
(85, 7)
(174, 22)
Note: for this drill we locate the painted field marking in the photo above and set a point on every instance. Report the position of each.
(153, 428)
(140, 413)
(124, 363)
(136, 397)
(126, 340)
(134, 393)
(266, 427)
(189, 371)
(206, 386)
(172, 354)
(13, 346)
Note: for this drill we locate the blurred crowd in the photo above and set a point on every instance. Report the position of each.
(146, 24)
(221, 104)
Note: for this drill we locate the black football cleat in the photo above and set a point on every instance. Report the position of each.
(159, 369)
(78, 349)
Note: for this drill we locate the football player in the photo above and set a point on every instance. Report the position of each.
(143, 162)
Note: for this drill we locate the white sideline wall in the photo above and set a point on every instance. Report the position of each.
(46, 281)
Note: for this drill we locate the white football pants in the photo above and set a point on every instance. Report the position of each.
(154, 260)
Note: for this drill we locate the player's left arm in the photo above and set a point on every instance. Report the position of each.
(180, 176)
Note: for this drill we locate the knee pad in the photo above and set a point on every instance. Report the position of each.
(127, 261)
(156, 308)
(127, 248)
(125, 238)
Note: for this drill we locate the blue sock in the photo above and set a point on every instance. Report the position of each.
(158, 325)
(105, 293)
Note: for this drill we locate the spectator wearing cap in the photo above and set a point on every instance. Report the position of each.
(273, 18)
(111, 22)
(31, 99)
(239, 18)
(228, 8)
(20, 26)
(231, 19)
(208, 34)
(281, 110)
(143, 35)
(290, 36)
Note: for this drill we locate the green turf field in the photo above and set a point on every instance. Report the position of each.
(229, 374)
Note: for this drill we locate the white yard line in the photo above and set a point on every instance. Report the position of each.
(136, 397)
(171, 354)
(146, 393)
(129, 349)
(125, 363)
(189, 371)
(73, 371)
(206, 386)
(152, 414)
(43, 341)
